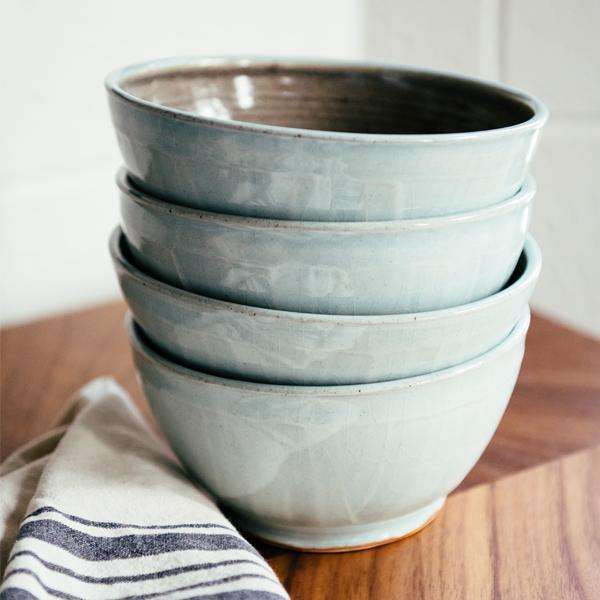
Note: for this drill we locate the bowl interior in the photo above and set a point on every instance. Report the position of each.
(341, 99)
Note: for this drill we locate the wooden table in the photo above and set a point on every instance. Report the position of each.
(524, 524)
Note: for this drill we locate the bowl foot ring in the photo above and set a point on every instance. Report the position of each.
(420, 519)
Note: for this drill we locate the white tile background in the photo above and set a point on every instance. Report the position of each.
(58, 152)
(58, 155)
(551, 49)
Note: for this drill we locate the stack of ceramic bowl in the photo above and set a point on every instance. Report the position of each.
(329, 269)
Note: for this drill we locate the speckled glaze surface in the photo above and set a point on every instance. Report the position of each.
(385, 267)
(259, 344)
(328, 467)
(321, 140)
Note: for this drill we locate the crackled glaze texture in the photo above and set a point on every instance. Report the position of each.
(259, 344)
(386, 267)
(322, 467)
(321, 141)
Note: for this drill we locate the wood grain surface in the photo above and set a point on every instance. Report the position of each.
(533, 535)
(530, 535)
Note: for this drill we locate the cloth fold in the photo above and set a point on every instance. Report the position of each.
(97, 508)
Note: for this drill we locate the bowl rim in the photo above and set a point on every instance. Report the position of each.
(126, 186)
(113, 81)
(533, 265)
(140, 347)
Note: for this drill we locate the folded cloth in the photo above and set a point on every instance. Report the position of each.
(97, 508)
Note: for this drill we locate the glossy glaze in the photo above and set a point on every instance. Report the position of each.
(332, 466)
(321, 140)
(386, 267)
(259, 344)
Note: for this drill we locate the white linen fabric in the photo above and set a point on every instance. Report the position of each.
(97, 508)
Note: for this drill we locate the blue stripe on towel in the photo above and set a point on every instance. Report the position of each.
(195, 586)
(158, 539)
(112, 525)
(48, 590)
(139, 576)
(91, 547)
(20, 594)
(13, 593)
(239, 595)
(254, 595)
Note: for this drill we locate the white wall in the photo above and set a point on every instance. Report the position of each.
(551, 49)
(58, 154)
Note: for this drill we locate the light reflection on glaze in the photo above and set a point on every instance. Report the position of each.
(244, 91)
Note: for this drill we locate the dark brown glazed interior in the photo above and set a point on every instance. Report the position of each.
(353, 100)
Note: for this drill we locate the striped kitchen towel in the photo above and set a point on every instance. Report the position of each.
(98, 508)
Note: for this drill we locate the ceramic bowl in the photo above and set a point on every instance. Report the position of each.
(333, 467)
(321, 141)
(259, 344)
(370, 268)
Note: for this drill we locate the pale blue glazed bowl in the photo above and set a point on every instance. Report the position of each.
(321, 140)
(332, 467)
(259, 344)
(366, 268)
